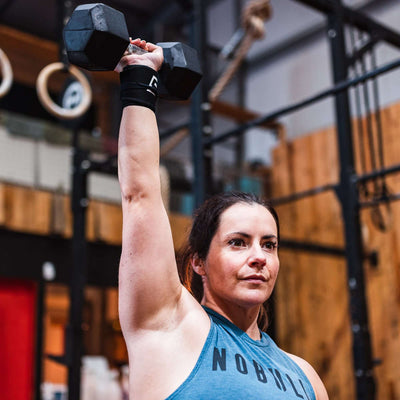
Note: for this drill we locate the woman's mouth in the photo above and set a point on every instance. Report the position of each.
(255, 278)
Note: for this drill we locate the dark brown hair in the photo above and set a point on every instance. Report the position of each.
(205, 224)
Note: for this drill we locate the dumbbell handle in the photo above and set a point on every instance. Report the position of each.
(133, 49)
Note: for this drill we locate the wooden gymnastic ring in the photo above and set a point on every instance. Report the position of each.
(48, 103)
(7, 74)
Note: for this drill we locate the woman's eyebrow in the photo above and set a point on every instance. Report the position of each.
(246, 235)
(270, 236)
(238, 233)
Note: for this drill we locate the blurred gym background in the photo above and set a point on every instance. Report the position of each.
(309, 117)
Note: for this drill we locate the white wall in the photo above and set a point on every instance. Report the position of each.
(284, 82)
(38, 164)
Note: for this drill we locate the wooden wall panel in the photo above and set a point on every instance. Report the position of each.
(27, 210)
(180, 225)
(2, 204)
(383, 283)
(104, 222)
(41, 212)
(314, 282)
(311, 295)
(55, 319)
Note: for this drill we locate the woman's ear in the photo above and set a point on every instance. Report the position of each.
(198, 265)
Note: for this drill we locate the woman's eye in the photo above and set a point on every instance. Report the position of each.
(270, 245)
(236, 242)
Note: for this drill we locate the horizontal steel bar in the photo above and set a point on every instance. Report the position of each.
(378, 173)
(301, 195)
(355, 18)
(340, 87)
(103, 259)
(107, 167)
(312, 247)
(371, 256)
(262, 58)
(357, 55)
(374, 202)
(170, 131)
(321, 189)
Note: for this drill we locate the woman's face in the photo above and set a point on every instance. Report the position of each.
(242, 263)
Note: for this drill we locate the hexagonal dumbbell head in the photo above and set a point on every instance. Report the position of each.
(96, 37)
(180, 72)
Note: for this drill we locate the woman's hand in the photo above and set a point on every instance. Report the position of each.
(153, 58)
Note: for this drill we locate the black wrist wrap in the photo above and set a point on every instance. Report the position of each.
(139, 86)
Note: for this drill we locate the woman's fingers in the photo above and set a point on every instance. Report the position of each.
(153, 58)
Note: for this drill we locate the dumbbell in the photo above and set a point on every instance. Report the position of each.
(96, 37)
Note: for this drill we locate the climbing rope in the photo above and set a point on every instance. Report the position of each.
(253, 18)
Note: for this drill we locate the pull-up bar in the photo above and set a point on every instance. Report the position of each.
(339, 87)
(355, 18)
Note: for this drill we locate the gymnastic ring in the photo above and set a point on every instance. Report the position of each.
(7, 74)
(50, 105)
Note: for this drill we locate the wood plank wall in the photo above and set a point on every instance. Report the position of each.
(42, 212)
(312, 315)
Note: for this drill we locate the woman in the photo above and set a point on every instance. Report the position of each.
(178, 348)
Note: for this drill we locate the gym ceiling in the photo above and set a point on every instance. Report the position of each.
(42, 17)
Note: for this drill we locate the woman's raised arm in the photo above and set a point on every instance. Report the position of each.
(149, 286)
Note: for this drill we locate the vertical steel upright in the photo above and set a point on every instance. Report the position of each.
(241, 73)
(348, 195)
(200, 124)
(73, 345)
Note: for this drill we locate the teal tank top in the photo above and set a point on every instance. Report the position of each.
(232, 366)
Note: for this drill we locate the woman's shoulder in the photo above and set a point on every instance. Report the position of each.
(316, 382)
(170, 349)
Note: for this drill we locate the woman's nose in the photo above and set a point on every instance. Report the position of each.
(257, 257)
